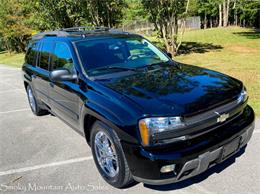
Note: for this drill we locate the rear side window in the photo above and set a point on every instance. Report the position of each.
(31, 54)
(62, 57)
(46, 50)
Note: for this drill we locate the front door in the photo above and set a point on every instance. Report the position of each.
(63, 94)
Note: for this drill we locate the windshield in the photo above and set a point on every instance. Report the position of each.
(101, 56)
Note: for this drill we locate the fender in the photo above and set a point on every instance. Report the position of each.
(126, 132)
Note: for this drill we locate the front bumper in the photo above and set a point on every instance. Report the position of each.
(194, 157)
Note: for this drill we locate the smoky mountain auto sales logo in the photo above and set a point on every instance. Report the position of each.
(33, 187)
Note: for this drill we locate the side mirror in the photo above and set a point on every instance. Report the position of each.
(62, 75)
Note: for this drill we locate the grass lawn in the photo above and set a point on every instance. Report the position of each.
(13, 59)
(234, 51)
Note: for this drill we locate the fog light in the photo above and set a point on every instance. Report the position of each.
(168, 168)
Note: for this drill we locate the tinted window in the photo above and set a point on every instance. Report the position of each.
(62, 57)
(46, 49)
(31, 54)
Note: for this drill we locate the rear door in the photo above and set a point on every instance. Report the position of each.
(64, 98)
(30, 62)
(41, 77)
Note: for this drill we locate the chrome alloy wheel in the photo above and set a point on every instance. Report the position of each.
(106, 154)
(31, 99)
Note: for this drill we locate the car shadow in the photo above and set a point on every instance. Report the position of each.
(199, 178)
(197, 47)
(255, 34)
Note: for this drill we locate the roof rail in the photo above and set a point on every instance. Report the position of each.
(74, 31)
(50, 34)
(86, 29)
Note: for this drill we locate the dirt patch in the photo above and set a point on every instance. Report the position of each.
(242, 49)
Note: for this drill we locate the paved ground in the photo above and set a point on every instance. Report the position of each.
(43, 155)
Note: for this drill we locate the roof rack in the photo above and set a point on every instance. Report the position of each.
(50, 34)
(74, 31)
(86, 29)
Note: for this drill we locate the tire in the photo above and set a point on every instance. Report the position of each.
(121, 176)
(33, 102)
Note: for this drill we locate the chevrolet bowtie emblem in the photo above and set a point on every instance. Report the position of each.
(222, 117)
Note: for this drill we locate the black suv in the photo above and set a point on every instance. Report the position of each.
(146, 117)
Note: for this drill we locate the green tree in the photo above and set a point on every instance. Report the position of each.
(242, 12)
(207, 9)
(14, 29)
(134, 11)
(106, 12)
(164, 14)
(247, 11)
(53, 14)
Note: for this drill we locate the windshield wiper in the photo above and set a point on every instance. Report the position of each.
(151, 65)
(114, 67)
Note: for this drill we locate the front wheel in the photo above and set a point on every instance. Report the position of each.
(109, 157)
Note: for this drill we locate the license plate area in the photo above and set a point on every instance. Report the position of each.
(230, 148)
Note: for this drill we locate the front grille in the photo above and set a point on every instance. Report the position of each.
(203, 123)
(232, 108)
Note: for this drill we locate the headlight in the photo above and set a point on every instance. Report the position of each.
(151, 126)
(242, 96)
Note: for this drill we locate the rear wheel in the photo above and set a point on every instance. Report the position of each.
(109, 157)
(34, 105)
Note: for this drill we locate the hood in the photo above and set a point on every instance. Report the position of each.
(175, 90)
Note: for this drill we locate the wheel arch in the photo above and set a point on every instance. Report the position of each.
(88, 122)
(25, 84)
(89, 115)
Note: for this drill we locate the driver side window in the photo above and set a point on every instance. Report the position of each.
(62, 58)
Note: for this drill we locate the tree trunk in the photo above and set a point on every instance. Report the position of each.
(174, 35)
(205, 20)
(183, 26)
(236, 17)
(169, 28)
(211, 22)
(235, 13)
(220, 15)
(108, 19)
(226, 4)
(7, 46)
(224, 13)
(164, 35)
